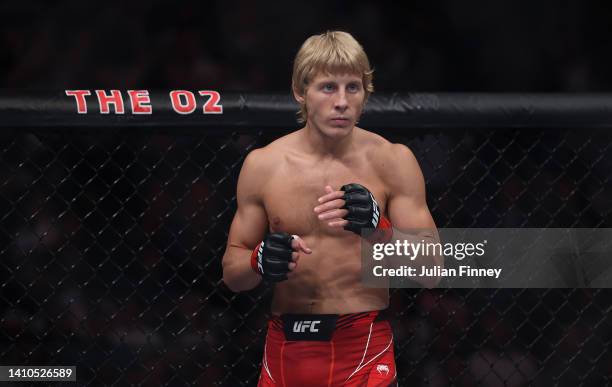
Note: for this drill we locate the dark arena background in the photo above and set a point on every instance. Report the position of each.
(112, 228)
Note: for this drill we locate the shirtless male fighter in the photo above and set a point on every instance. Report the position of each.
(303, 202)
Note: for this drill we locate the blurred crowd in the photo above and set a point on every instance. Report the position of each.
(499, 46)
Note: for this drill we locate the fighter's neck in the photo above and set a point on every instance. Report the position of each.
(318, 144)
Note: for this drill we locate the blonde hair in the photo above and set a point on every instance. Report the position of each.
(330, 52)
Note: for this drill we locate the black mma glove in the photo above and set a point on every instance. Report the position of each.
(271, 257)
(364, 217)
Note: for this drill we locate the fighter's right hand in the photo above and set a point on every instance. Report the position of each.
(277, 255)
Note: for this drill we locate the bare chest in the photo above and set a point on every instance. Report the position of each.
(291, 193)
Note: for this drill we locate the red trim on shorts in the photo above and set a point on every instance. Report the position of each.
(282, 366)
(331, 366)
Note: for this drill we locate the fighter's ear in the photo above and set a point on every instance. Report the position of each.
(299, 97)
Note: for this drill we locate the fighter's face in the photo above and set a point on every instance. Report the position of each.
(334, 103)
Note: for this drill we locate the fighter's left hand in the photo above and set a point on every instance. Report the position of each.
(330, 208)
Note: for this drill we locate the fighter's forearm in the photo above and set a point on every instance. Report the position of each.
(422, 257)
(237, 272)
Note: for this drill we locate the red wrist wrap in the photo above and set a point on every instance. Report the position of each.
(383, 232)
(254, 256)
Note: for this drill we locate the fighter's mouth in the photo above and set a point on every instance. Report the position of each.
(340, 120)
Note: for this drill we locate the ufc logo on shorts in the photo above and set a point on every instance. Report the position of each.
(302, 326)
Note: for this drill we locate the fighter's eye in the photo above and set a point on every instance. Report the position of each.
(329, 87)
(353, 87)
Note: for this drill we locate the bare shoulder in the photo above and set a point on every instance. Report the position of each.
(257, 163)
(389, 159)
(265, 158)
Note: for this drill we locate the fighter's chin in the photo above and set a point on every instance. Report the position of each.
(340, 129)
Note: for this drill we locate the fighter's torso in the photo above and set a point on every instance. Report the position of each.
(329, 279)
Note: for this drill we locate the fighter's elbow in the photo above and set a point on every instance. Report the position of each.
(231, 284)
(232, 281)
(239, 282)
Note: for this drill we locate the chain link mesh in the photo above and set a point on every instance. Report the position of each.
(112, 242)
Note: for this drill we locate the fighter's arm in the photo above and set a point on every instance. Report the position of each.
(251, 251)
(248, 227)
(406, 203)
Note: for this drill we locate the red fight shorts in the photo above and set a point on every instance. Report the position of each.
(328, 350)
